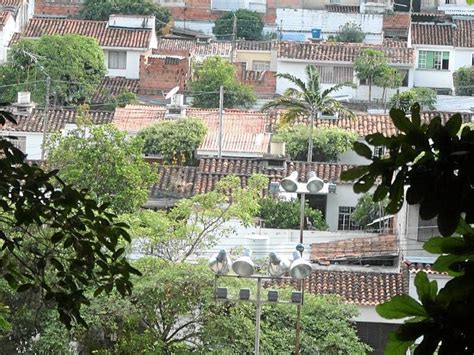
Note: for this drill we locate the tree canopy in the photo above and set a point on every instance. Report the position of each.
(207, 80)
(106, 162)
(249, 25)
(426, 97)
(429, 164)
(371, 66)
(350, 32)
(56, 241)
(367, 211)
(100, 10)
(166, 235)
(463, 80)
(74, 78)
(328, 142)
(174, 140)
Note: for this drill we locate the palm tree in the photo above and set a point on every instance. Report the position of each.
(307, 99)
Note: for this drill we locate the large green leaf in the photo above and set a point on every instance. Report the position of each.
(401, 306)
(363, 150)
(400, 121)
(454, 124)
(354, 173)
(395, 346)
(423, 287)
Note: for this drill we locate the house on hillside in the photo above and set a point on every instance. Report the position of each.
(123, 38)
(109, 88)
(441, 49)
(7, 29)
(334, 62)
(21, 10)
(134, 118)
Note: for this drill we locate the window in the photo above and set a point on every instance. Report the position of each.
(345, 221)
(335, 75)
(117, 60)
(436, 60)
(260, 65)
(18, 142)
(404, 75)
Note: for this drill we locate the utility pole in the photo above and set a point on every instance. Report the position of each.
(221, 118)
(234, 35)
(45, 116)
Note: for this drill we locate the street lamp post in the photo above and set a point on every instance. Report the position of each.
(244, 268)
(313, 185)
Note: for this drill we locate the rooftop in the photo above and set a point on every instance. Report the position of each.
(355, 287)
(459, 33)
(340, 52)
(4, 15)
(133, 118)
(113, 86)
(105, 35)
(397, 20)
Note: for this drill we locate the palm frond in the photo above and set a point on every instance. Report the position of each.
(313, 82)
(335, 88)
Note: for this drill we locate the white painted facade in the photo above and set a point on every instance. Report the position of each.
(259, 6)
(433, 78)
(34, 142)
(359, 92)
(200, 26)
(6, 34)
(132, 69)
(461, 7)
(303, 20)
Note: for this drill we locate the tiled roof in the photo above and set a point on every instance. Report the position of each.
(355, 287)
(243, 131)
(222, 49)
(434, 34)
(105, 35)
(174, 182)
(362, 247)
(256, 45)
(133, 118)
(348, 9)
(179, 46)
(389, 42)
(112, 86)
(464, 33)
(57, 119)
(364, 123)
(171, 44)
(211, 170)
(340, 52)
(4, 15)
(15, 3)
(398, 20)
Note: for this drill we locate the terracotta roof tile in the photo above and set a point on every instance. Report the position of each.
(57, 119)
(243, 131)
(340, 52)
(464, 33)
(359, 288)
(174, 182)
(133, 118)
(15, 3)
(106, 36)
(4, 15)
(362, 247)
(256, 45)
(433, 34)
(172, 44)
(398, 20)
(348, 9)
(389, 42)
(112, 86)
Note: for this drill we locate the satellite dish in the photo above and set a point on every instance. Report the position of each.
(172, 92)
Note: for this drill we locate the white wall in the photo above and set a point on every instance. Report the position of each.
(303, 20)
(133, 64)
(345, 197)
(462, 57)
(440, 279)
(434, 78)
(5, 36)
(369, 314)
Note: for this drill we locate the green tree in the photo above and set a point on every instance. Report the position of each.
(405, 100)
(325, 323)
(249, 25)
(286, 214)
(389, 78)
(122, 99)
(367, 210)
(56, 240)
(307, 99)
(370, 66)
(210, 76)
(74, 78)
(328, 142)
(174, 140)
(100, 10)
(435, 162)
(463, 80)
(351, 33)
(166, 235)
(104, 161)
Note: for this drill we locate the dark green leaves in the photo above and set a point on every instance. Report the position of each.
(401, 306)
(363, 150)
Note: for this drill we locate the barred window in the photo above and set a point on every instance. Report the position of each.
(260, 65)
(433, 60)
(335, 75)
(117, 60)
(345, 221)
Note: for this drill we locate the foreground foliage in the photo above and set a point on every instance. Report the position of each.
(435, 161)
(55, 240)
(425, 97)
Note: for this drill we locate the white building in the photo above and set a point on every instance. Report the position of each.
(124, 38)
(7, 29)
(440, 50)
(335, 64)
(303, 21)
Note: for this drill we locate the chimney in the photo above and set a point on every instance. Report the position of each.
(24, 105)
